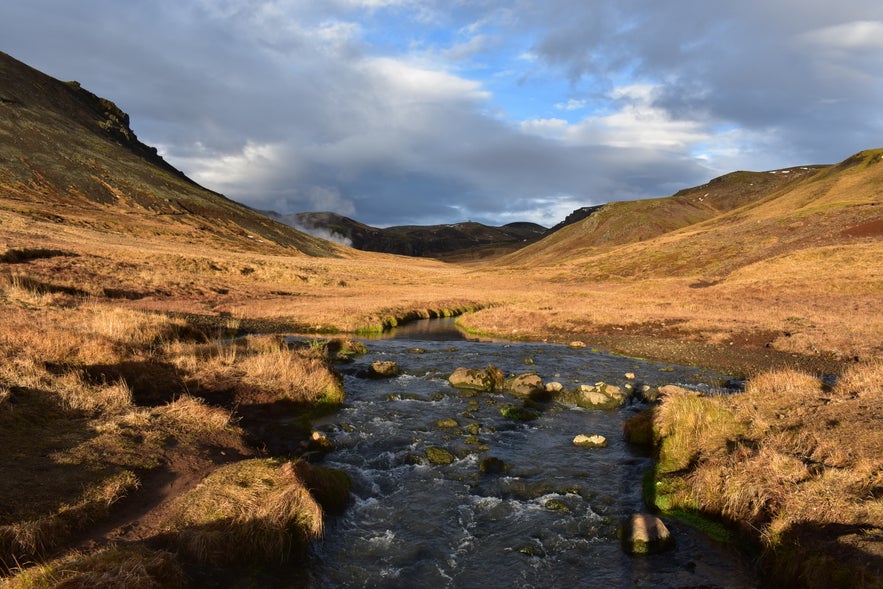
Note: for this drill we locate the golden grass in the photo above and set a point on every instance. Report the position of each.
(793, 461)
(76, 434)
(250, 511)
(110, 568)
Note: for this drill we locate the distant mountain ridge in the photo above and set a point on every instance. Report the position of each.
(456, 240)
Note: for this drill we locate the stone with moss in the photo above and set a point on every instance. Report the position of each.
(488, 379)
(437, 455)
(383, 369)
(518, 413)
(447, 423)
(556, 505)
(599, 396)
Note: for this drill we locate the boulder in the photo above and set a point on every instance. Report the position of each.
(383, 369)
(528, 385)
(577, 344)
(447, 423)
(438, 455)
(488, 379)
(599, 396)
(644, 534)
(630, 375)
(593, 441)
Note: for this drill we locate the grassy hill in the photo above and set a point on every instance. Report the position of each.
(69, 158)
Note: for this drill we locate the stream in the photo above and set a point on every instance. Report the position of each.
(551, 520)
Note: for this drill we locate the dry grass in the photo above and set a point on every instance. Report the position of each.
(254, 510)
(136, 568)
(799, 464)
(76, 371)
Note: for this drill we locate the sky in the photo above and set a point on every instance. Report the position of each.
(399, 112)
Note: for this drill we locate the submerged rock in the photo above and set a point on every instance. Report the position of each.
(645, 534)
(493, 465)
(449, 423)
(518, 413)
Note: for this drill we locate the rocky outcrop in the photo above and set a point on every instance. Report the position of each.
(644, 534)
(488, 379)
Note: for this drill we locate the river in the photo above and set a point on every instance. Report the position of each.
(550, 521)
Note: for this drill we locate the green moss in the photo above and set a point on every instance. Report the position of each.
(518, 413)
(437, 455)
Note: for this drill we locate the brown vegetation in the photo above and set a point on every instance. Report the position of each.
(794, 464)
(100, 405)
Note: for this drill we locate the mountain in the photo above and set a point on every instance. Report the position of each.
(458, 241)
(734, 221)
(68, 156)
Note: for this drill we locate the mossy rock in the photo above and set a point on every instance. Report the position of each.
(556, 505)
(437, 455)
(447, 423)
(518, 413)
(488, 379)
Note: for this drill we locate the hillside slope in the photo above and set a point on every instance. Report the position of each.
(619, 223)
(830, 220)
(68, 157)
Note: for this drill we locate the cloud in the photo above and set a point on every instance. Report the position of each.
(406, 111)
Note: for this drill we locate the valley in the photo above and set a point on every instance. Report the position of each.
(146, 364)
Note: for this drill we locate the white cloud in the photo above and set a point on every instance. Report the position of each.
(572, 104)
(862, 35)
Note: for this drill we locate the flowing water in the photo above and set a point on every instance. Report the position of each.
(550, 521)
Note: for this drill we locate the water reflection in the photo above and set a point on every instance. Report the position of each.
(437, 330)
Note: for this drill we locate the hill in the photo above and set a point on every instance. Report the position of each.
(733, 222)
(69, 157)
(592, 229)
(458, 241)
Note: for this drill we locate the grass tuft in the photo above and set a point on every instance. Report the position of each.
(249, 511)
